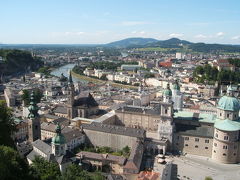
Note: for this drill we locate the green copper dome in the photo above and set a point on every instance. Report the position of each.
(59, 138)
(33, 109)
(229, 103)
(167, 92)
(227, 125)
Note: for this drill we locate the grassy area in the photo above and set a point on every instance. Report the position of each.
(104, 150)
(98, 81)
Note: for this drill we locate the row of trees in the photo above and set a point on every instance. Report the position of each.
(108, 65)
(209, 74)
(14, 167)
(105, 150)
(235, 62)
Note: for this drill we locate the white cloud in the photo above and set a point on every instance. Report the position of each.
(220, 34)
(236, 37)
(142, 32)
(176, 35)
(69, 33)
(200, 36)
(134, 23)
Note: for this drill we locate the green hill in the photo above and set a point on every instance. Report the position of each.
(17, 61)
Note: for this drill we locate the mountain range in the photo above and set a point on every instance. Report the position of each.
(173, 43)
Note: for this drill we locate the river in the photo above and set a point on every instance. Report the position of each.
(65, 70)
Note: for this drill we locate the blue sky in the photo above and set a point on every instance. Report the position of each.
(103, 21)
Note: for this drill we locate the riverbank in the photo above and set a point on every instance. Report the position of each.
(99, 81)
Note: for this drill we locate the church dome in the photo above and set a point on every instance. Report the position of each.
(227, 125)
(59, 138)
(229, 103)
(167, 92)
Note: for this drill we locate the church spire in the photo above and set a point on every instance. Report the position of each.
(70, 78)
(33, 109)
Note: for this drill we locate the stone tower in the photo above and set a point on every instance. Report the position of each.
(71, 92)
(166, 126)
(226, 129)
(177, 96)
(34, 126)
(58, 142)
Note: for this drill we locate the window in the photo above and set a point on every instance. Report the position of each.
(220, 114)
(177, 137)
(216, 135)
(186, 144)
(234, 154)
(225, 137)
(215, 144)
(235, 147)
(225, 147)
(227, 115)
(224, 154)
(206, 141)
(206, 147)
(214, 151)
(196, 139)
(196, 146)
(186, 138)
(177, 144)
(166, 111)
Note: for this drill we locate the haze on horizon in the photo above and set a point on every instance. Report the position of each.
(98, 22)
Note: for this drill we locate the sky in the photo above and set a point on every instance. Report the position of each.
(104, 21)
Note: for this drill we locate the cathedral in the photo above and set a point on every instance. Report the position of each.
(82, 105)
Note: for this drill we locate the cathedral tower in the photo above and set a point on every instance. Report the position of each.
(58, 142)
(34, 126)
(71, 92)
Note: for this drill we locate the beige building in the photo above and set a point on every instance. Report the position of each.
(210, 135)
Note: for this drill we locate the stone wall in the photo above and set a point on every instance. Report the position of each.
(114, 141)
(144, 121)
(225, 146)
(201, 146)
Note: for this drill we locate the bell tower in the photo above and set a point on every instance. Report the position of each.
(70, 103)
(58, 142)
(34, 126)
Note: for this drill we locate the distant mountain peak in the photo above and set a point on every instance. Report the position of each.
(129, 42)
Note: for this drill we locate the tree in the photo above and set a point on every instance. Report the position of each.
(126, 151)
(7, 126)
(12, 166)
(45, 170)
(74, 172)
(25, 96)
(37, 96)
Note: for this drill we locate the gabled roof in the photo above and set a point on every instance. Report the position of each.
(193, 130)
(42, 146)
(113, 129)
(87, 101)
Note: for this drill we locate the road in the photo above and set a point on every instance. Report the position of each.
(197, 168)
